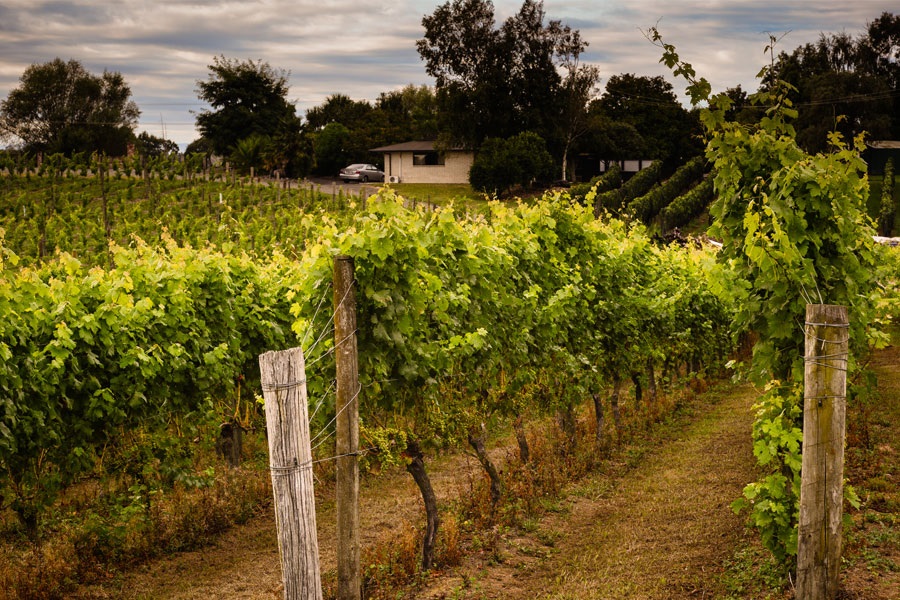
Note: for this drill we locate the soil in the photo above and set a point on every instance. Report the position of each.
(655, 523)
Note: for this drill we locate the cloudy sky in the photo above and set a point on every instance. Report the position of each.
(362, 48)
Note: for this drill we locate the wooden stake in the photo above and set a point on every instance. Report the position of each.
(347, 430)
(290, 459)
(822, 480)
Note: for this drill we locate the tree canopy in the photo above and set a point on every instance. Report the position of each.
(60, 107)
(247, 98)
(667, 130)
(844, 83)
(497, 82)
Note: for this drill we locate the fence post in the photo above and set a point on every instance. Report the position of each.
(290, 459)
(347, 430)
(822, 479)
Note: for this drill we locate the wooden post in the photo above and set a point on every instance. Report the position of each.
(822, 483)
(290, 459)
(347, 430)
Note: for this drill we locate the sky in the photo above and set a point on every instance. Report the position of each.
(362, 48)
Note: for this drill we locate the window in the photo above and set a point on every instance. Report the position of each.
(428, 159)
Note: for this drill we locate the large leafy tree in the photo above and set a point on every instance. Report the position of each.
(60, 107)
(649, 104)
(497, 82)
(247, 98)
(338, 108)
(844, 83)
(406, 114)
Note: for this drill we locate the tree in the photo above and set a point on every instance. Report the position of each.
(408, 114)
(330, 146)
(151, 145)
(845, 84)
(494, 82)
(338, 108)
(247, 98)
(578, 89)
(61, 107)
(669, 131)
(520, 160)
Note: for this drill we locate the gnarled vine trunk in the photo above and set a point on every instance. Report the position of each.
(651, 382)
(598, 413)
(477, 440)
(614, 403)
(522, 440)
(416, 468)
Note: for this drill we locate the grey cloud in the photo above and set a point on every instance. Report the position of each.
(163, 47)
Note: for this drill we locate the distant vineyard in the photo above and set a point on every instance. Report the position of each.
(60, 209)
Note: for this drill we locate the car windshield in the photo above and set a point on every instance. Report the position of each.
(354, 167)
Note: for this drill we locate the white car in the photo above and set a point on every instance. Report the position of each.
(362, 173)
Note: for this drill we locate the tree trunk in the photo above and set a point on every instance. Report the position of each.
(598, 413)
(524, 452)
(416, 468)
(614, 403)
(566, 418)
(638, 390)
(477, 443)
(651, 382)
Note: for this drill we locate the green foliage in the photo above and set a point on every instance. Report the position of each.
(330, 147)
(689, 205)
(887, 209)
(843, 83)
(495, 82)
(639, 184)
(150, 145)
(463, 312)
(606, 181)
(91, 352)
(248, 99)
(774, 502)
(649, 205)
(665, 129)
(794, 232)
(521, 161)
(59, 210)
(60, 107)
(249, 153)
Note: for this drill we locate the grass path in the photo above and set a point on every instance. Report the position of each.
(662, 530)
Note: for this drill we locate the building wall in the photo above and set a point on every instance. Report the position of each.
(454, 170)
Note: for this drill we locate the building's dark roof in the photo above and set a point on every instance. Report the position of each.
(418, 146)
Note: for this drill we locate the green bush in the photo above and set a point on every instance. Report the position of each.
(609, 180)
(649, 205)
(639, 184)
(501, 164)
(687, 206)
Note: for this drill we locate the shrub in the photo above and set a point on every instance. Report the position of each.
(639, 184)
(687, 206)
(609, 180)
(649, 205)
(501, 164)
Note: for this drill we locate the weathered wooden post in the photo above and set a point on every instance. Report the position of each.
(821, 488)
(347, 430)
(290, 459)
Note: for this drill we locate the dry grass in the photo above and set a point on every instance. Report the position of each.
(872, 542)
